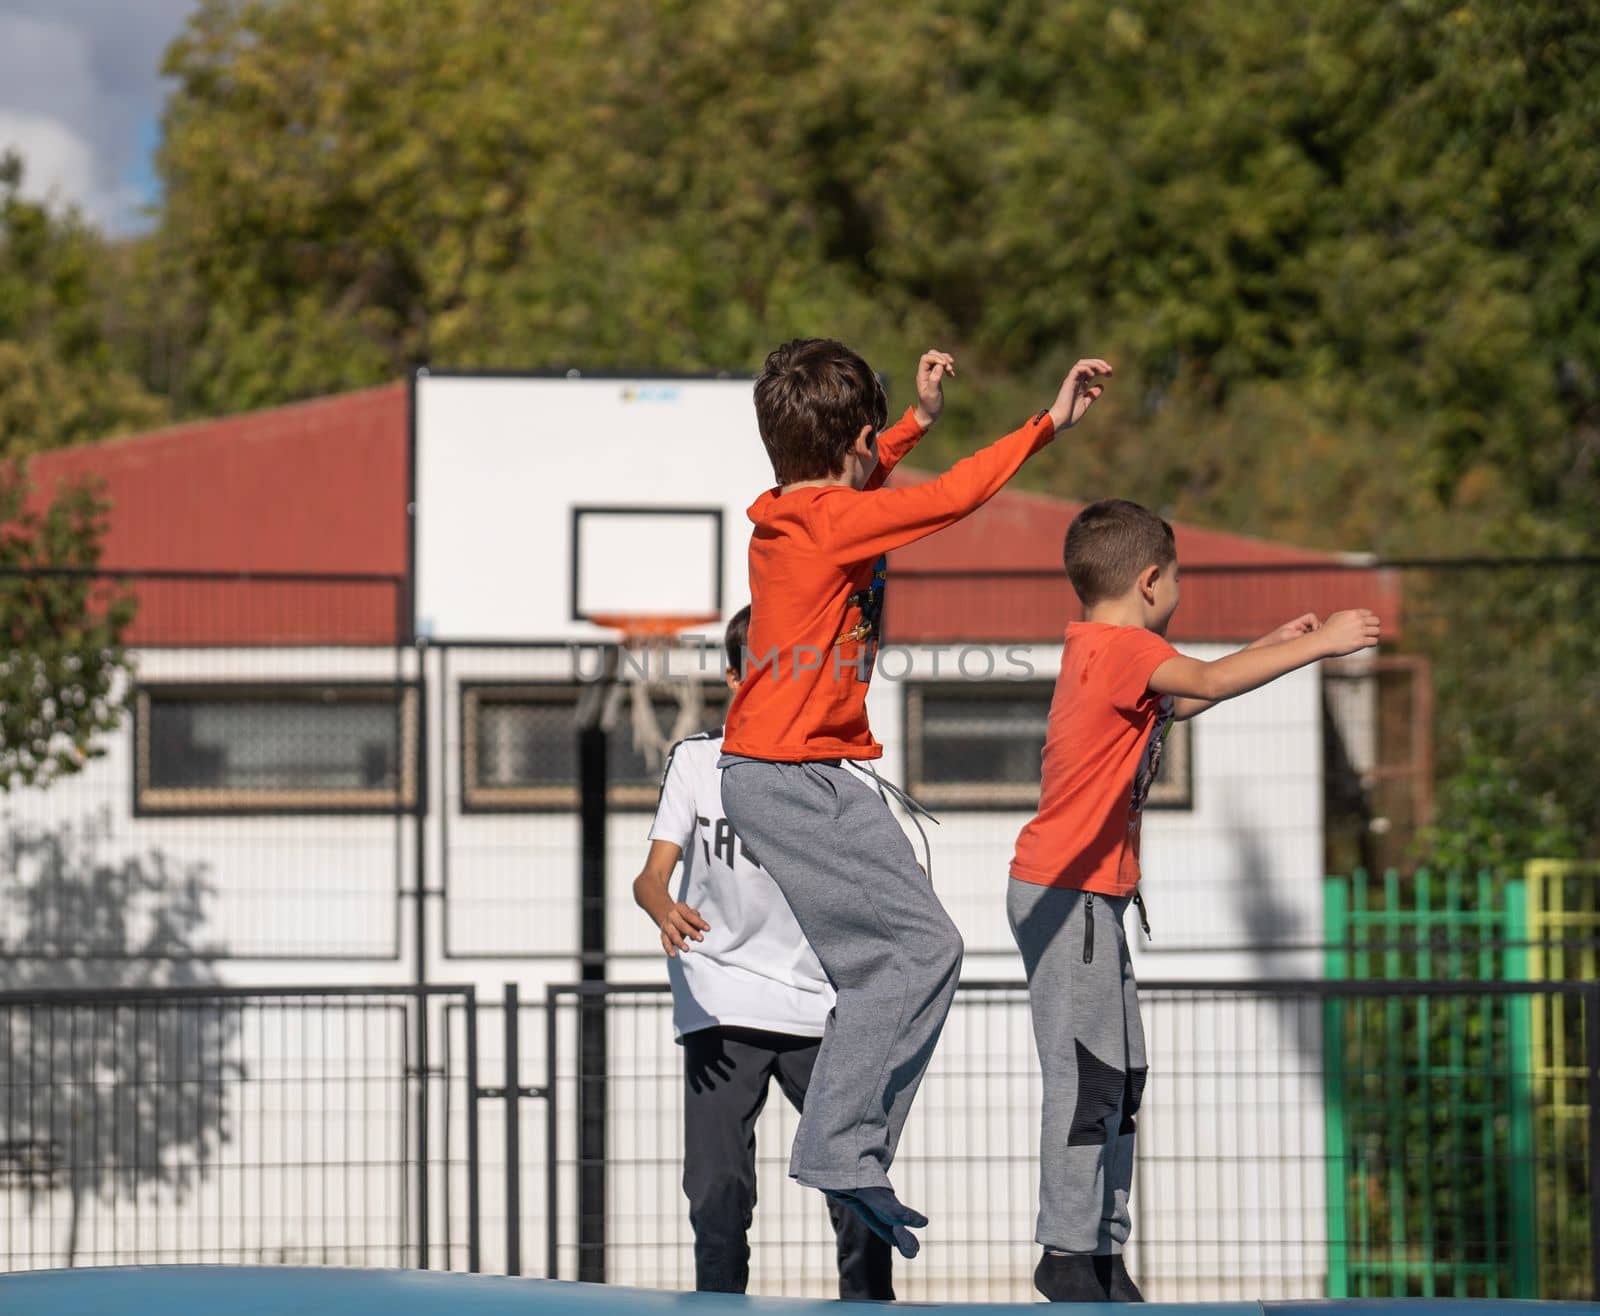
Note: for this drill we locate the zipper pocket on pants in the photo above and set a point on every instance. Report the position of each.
(1088, 927)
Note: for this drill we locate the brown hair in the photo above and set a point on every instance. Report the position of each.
(736, 640)
(1109, 543)
(812, 398)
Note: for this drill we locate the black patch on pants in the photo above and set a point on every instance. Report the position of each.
(1100, 1088)
(1133, 1095)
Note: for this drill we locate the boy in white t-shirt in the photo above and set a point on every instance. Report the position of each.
(749, 1004)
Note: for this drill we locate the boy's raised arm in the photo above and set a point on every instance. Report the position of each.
(1223, 678)
(1078, 392)
(901, 437)
(859, 528)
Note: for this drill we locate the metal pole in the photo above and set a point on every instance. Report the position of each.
(421, 1001)
(552, 1143)
(592, 1047)
(420, 942)
(1591, 1030)
(474, 1248)
(513, 1136)
(443, 850)
(1522, 1172)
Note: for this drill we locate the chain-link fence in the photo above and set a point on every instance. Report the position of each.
(253, 800)
(1468, 740)
(294, 778)
(286, 760)
(1463, 743)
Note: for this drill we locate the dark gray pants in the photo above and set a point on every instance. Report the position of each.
(849, 874)
(726, 1077)
(1085, 1006)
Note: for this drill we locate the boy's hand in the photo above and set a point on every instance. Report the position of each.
(1304, 624)
(1078, 392)
(931, 370)
(680, 925)
(1350, 632)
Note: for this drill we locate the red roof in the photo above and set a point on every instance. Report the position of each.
(315, 487)
(321, 487)
(998, 576)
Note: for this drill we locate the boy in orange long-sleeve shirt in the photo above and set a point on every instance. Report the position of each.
(828, 839)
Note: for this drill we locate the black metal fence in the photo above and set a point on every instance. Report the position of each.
(313, 1126)
(1297, 1139)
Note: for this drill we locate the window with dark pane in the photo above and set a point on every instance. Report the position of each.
(520, 747)
(975, 744)
(284, 748)
(968, 737)
(524, 740)
(980, 745)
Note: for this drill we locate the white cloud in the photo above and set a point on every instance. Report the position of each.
(80, 82)
(58, 165)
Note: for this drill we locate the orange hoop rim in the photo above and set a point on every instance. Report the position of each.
(642, 627)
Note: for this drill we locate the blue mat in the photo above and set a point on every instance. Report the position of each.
(315, 1291)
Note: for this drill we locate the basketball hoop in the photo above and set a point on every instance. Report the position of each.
(649, 640)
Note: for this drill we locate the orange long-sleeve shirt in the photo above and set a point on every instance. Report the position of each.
(817, 577)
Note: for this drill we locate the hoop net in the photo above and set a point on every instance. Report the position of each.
(646, 675)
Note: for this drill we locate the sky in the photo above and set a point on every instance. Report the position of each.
(80, 99)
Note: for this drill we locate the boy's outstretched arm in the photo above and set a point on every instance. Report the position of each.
(677, 922)
(1223, 678)
(1304, 624)
(861, 528)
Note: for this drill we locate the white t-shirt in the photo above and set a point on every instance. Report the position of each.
(755, 968)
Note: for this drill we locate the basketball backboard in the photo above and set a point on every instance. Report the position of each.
(541, 501)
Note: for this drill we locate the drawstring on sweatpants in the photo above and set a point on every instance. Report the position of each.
(887, 788)
(1144, 918)
(1088, 922)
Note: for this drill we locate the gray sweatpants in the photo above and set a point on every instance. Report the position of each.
(849, 874)
(1085, 1006)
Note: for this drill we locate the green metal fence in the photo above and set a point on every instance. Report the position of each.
(1430, 1112)
(1563, 898)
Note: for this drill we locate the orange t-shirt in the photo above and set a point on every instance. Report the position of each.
(817, 577)
(1102, 749)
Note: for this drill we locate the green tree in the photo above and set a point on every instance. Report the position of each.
(61, 380)
(63, 668)
(1364, 225)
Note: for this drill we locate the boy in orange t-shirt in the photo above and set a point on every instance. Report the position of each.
(826, 837)
(1076, 868)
